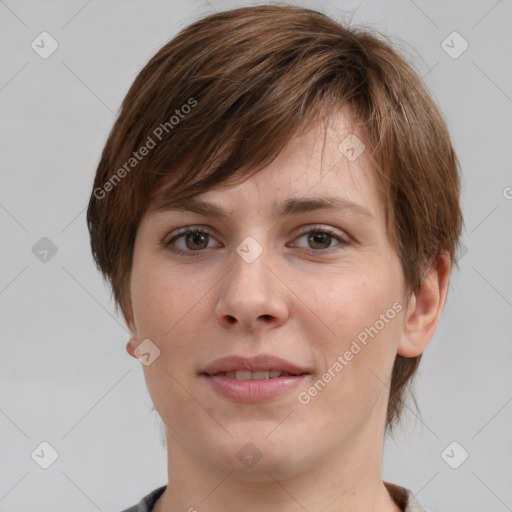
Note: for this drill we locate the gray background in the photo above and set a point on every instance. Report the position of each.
(65, 377)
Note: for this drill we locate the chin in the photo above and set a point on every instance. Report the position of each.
(251, 455)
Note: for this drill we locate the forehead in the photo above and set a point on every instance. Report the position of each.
(326, 155)
(326, 164)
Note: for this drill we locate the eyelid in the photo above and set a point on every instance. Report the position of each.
(179, 232)
(341, 236)
(326, 229)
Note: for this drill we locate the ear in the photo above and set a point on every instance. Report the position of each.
(134, 340)
(425, 308)
(132, 345)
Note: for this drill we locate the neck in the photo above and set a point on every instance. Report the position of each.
(347, 479)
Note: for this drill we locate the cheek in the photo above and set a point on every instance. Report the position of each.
(171, 309)
(158, 298)
(356, 303)
(364, 319)
(148, 306)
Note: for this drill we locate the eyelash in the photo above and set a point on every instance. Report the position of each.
(310, 229)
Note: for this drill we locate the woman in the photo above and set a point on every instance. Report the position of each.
(277, 211)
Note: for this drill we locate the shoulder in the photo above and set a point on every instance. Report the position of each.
(404, 498)
(147, 503)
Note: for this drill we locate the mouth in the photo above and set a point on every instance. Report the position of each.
(259, 367)
(253, 379)
(257, 375)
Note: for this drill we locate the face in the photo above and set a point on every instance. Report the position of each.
(320, 289)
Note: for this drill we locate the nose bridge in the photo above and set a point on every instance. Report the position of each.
(250, 291)
(250, 265)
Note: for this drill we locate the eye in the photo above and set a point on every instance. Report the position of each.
(319, 238)
(195, 239)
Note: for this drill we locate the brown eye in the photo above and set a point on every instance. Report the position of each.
(196, 240)
(191, 242)
(319, 239)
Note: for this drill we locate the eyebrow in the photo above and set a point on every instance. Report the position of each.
(293, 206)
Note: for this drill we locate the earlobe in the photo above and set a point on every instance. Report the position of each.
(132, 345)
(424, 309)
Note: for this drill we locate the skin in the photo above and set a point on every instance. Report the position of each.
(306, 307)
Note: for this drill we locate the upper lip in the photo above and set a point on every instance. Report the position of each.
(260, 362)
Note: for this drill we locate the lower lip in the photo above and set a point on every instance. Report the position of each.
(253, 390)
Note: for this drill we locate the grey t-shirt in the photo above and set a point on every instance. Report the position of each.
(147, 503)
(403, 497)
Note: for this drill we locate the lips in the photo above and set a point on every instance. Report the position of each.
(258, 367)
(253, 379)
(259, 375)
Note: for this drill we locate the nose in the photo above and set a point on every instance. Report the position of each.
(253, 295)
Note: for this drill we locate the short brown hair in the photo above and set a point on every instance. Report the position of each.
(226, 95)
